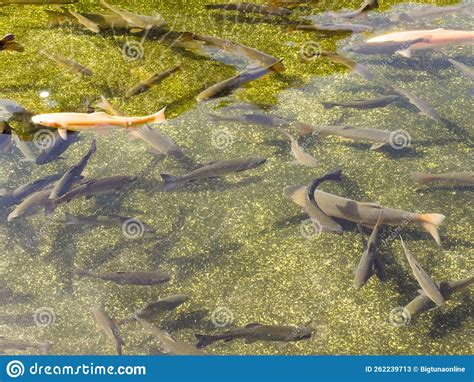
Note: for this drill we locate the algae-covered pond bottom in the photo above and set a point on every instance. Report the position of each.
(235, 244)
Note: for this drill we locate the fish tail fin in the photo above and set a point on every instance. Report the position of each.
(70, 219)
(118, 347)
(204, 340)
(421, 177)
(304, 128)
(430, 222)
(170, 181)
(158, 117)
(328, 105)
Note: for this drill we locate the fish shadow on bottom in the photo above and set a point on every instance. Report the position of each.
(444, 322)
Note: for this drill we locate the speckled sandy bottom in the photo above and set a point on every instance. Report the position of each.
(235, 244)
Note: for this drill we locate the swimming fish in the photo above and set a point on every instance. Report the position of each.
(213, 169)
(332, 28)
(364, 213)
(155, 79)
(29, 155)
(424, 108)
(366, 6)
(252, 119)
(403, 48)
(466, 70)
(379, 137)
(363, 104)
(127, 278)
(106, 221)
(98, 120)
(169, 344)
(109, 326)
(257, 332)
(355, 67)
(7, 344)
(251, 8)
(254, 55)
(4, 3)
(301, 157)
(102, 20)
(428, 286)
(161, 144)
(437, 38)
(365, 268)
(227, 86)
(139, 21)
(31, 205)
(68, 64)
(423, 303)
(429, 12)
(450, 178)
(8, 42)
(84, 21)
(10, 109)
(22, 192)
(72, 175)
(59, 146)
(154, 308)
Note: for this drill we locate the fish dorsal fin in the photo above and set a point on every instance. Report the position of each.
(252, 325)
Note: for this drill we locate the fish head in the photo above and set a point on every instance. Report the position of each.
(45, 120)
(253, 162)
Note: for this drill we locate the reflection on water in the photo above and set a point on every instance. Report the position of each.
(235, 244)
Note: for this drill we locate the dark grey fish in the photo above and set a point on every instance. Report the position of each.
(161, 144)
(72, 175)
(29, 155)
(169, 344)
(252, 119)
(257, 332)
(213, 169)
(58, 147)
(155, 79)
(450, 178)
(24, 319)
(108, 325)
(127, 278)
(353, 66)
(9, 109)
(431, 12)
(323, 222)
(379, 137)
(332, 28)
(67, 64)
(113, 221)
(8, 42)
(363, 104)
(428, 286)
(402, 48)
(227, 86)
(251, 8)
(24, 191)
(466, 70)
(424, 108)
(423, 303)
(7, 344)
(31, 205)
(154, 308)
(365, 268)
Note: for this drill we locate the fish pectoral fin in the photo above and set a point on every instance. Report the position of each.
(323, 222)
(404, 53)
(63, 134)
(377, 145)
